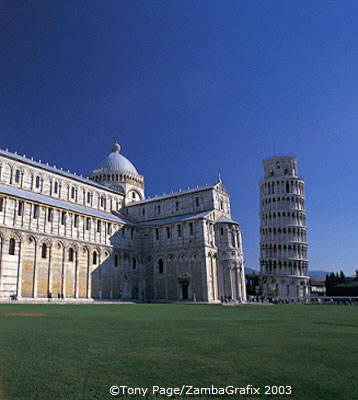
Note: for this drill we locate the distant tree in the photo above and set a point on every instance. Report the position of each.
(331, 280)
(342, 277)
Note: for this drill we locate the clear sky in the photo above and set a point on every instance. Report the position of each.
(191, 88)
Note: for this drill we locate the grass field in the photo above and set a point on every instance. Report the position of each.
(78, 352)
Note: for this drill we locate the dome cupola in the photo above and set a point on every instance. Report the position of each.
(118, 173)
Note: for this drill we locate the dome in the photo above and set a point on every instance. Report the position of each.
(115, 163)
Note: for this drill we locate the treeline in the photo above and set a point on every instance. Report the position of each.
(337, 284)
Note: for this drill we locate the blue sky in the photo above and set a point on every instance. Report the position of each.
(191, 88)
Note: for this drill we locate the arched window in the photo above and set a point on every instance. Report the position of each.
(44, 251)
(70, 254)
(12, 246)
(161, 266)
(17, 176)
(37, 182)
(134, 263)
(94, 258)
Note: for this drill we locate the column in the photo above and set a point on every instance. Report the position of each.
(19, 272)
(76, 274)
(49, 283)
(88, 275)
(34, 288)
(63, 276)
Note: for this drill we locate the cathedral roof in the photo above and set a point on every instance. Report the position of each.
(54, 169)
(115, 163)
(178, 218)
(66, 205)
(226, 220)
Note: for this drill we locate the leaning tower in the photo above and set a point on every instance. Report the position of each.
(283, 231)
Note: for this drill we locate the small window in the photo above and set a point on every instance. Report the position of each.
(271, 173)
(109, 228)
(37, 182)
(133, 195)
(88, 224)
(12, 246)
(132, 233)
(143, 212)
(1, 203)
(221, 231)
(73, 192)
(17, 176)
(36, 211)
(191, 228)
(55, 187)
(158, 209)
(176, 205)
(116, 260)
(70, 254)
(63, 217)
(94, 258)
(278, 166)
(88, 197)
(168, 232)
(157, 233)
(134, 263)
(102, 201)
(161, 266)
(44, 251)
(179, 230)
(49, 214)
(197, 201)
(98, 226)
(75, 221)
(20, 209)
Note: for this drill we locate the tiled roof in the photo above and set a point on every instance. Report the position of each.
(47, 167)
(66, 205)
(180, 218)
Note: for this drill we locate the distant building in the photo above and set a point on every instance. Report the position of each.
(283, 231)
(66, 236)
(318, 287)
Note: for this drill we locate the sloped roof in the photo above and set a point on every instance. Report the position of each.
(59, 171)
(65, 205)
(227, 220)
(179, 218)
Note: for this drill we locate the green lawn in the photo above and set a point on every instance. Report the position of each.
(78, 352)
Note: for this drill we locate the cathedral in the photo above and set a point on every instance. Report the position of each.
(69, 237)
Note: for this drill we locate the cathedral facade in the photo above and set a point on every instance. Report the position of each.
(69, 237)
